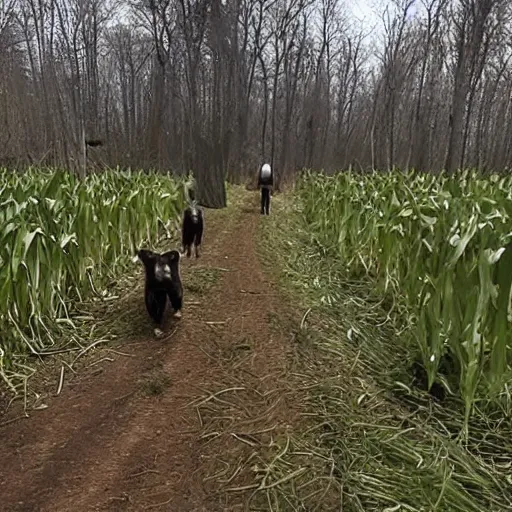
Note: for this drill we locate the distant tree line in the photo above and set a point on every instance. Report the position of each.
(218, 86)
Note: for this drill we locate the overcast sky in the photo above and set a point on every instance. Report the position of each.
(368, 11)
(362, 8)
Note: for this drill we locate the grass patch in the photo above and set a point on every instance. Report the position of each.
(437, 249)
(369, 439)
(201, 280)
(236, 351)
(156, 382)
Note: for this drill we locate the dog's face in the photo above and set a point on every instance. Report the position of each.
(193, 213)
(162, 271)
(162, 264)
(165, 265)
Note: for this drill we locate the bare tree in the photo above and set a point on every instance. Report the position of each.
(217, 87)
(475, 24)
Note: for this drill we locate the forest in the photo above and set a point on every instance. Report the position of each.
(347, 347)
(219, 87)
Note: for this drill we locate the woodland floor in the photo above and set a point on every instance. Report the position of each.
(172, 424)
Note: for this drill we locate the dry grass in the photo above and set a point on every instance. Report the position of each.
(156, 382)
(369, 440)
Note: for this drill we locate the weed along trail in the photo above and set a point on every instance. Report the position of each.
(175, 424)
(284, 387)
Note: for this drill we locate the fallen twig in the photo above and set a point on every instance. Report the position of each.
(83, 351)
(12, 420)
(202, 401)
(243, 488)
(61, 380)
(159, 504)
(69, 366)
(146, 471)
(249, 442)
(304, 318)
(59, 351)
(100, 360)
(120, 353)
(199, 417)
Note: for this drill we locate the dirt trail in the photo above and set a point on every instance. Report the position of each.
(222, 396)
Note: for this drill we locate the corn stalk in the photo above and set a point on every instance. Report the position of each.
(441, 246)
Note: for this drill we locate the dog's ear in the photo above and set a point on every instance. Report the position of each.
(145, 255)
(172, 256)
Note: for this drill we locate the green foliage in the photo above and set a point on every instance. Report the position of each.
(367, 440)
(441, 247)
(61, 238)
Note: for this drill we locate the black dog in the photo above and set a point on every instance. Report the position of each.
(162, 280)
(192, 229)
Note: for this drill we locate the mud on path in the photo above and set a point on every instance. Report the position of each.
(180, 424)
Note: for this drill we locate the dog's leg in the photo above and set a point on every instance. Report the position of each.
(155, 302)
(199, 236)
(177, 304)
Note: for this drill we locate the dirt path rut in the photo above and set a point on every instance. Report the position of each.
(217, 396)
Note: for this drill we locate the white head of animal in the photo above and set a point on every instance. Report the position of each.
(162, 271)
(194, 212)
(266, 171)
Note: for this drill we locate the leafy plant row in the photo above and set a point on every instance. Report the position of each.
(440, 247)
(60, 237)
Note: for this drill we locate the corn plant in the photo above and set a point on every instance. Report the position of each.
(60, 237)
(441, 245)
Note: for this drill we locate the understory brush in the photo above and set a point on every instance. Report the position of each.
(371, 438)
(67, 249)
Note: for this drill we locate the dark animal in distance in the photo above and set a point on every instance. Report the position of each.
(192, 229)
(94, 142)
(162, 280)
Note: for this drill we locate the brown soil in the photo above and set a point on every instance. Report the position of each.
(180, 423)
